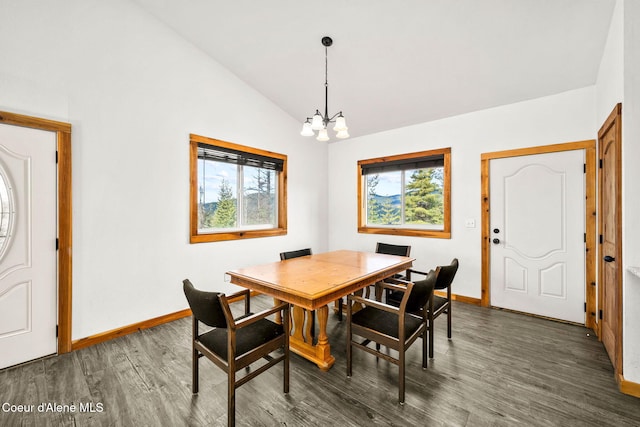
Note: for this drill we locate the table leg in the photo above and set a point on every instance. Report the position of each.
(320, 353)
(278, 318)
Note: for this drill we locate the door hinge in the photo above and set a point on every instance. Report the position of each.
(601, 239)
(57, 244)
(584, 170)
(56, 156)
(585, 307)
(56, 331)
(600, 164)
(600, 315)
(585, 237)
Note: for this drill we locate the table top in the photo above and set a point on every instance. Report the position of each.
(316, 280)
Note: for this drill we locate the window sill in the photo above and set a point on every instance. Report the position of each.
(237, 235)
(437, 234)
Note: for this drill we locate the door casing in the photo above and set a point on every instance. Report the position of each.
(590, 217)
(63, 138)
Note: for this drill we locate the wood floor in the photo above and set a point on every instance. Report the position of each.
(500, 369)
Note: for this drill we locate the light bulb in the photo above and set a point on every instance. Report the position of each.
(341, 123)
(323, 135)
(306, 129)
(316, 122)
(342, 134)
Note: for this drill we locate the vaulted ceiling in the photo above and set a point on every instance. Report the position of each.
(397, 63)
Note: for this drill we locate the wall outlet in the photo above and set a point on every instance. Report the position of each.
(470, 223)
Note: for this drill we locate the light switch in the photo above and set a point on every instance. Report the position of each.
(470, 223)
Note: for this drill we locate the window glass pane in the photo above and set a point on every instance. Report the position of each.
(424, 199)
(236, 191)
(384, 200)
(406, 194)
(217, 187)
(6, 214)
(259, 196)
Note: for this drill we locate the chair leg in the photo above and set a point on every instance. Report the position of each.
(194, 355)
(349, 338)
(340, 309)
(449, 321)
(431, 327)
(286, 374)
(424, 348)
(194, 371)
(401, 377)
(231, 400)
(286, 352)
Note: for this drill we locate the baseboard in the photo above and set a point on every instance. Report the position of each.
(461, 298)
(136, 327)
(126, 330)
(628, 387)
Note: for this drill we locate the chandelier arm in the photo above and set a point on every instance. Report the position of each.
(332, 119)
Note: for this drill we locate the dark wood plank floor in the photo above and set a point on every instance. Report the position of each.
(500, 369)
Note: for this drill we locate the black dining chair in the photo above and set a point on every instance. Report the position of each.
(439, 304)
(296, 254)
(394, 327)
(389, 249)
(235, 343)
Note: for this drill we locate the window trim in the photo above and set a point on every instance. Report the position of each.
(445, 233)
(195, 236)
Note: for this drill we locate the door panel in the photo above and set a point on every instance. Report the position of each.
(537, 223)
(28, 262)
(610, 249)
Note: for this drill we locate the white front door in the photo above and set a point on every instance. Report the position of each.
(28, 258)
(537, 217)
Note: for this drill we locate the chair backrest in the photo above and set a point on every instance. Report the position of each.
(421, 292)
(294, 254)
(446, 273)
(389, 249)
(205, 306)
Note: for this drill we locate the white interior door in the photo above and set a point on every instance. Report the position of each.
(28, 258)
(537, 232)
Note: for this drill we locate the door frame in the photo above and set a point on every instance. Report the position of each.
(590, 218)
(613, 120)
(63, 153)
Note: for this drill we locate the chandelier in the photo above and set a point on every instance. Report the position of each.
(319, 122)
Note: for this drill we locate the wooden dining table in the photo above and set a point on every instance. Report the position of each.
(310, 283)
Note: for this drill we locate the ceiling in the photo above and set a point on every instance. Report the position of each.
(394, 64)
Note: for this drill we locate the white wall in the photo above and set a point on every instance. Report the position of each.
(565, 117)
(133, 91)
(610, 82)
(631, 191)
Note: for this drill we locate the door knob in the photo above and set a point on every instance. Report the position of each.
(496, 241)
(609, 258)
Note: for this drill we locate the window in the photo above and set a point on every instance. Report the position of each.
(237, 192)
(7, 211)
(406, 194)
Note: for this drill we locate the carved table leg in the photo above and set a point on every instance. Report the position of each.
(320, 354)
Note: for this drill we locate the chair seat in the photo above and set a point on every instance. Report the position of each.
(247, 338)
(438, 302)
(395, 297)
(385, 322)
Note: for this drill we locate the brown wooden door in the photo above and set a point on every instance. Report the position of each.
(610, 264)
